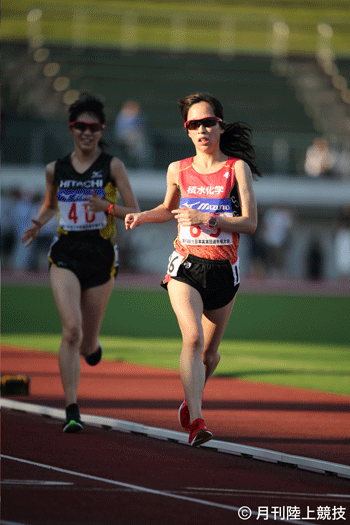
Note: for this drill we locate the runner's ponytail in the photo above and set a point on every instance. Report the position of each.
(236, 142)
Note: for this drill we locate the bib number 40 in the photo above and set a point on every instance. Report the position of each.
(73, 215)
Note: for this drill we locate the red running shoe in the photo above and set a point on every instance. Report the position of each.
(184, 416)
(199, 433)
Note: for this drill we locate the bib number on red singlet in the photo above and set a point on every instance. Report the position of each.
(195, 232)
(175, 260)
(200, 234)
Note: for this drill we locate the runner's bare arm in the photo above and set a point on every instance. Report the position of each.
(48, 209)
(161, 213)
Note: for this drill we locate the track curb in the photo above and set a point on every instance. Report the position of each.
(301, 462)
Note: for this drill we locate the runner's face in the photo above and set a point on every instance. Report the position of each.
(205, 139)
(86, 140)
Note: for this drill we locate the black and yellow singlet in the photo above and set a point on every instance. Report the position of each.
(72, 188)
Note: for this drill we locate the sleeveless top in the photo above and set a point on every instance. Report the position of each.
(73, 187)
(211, 192)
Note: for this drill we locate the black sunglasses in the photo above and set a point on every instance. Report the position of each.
(207, 122)
(82, 126)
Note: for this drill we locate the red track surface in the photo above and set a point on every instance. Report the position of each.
(290, 420)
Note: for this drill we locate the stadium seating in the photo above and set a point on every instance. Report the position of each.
(248, 89)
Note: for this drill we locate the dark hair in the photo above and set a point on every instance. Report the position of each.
(88, 104)
(236, 139)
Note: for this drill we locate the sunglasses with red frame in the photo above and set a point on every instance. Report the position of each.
(94, 127)
(207, 122)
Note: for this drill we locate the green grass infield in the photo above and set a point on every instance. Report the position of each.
(140, 313)
(295, 341)
(310, 366)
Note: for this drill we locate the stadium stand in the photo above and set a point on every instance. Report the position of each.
(247, 86)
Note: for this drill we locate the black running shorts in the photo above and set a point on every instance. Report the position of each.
(216, 281)
(93, 260)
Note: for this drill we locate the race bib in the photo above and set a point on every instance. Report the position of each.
(235, 271)
(74, 210)
(201, 234)
(175, 260)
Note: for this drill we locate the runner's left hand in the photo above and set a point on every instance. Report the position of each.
(96, 203)
(188, 216)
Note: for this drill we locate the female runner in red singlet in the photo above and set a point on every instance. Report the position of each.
(211, 196)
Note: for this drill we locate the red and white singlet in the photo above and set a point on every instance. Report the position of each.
(214, 192)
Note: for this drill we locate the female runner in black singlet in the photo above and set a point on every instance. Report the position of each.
(82, 187)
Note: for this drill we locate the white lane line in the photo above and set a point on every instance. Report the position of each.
(11, 523)
(142, 489)
(264, 492)
(185, 491)
(33, 482)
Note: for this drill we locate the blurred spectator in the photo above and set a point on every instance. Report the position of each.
(257, 262)
(16, 207)
(22, 214)
(276, 235)
(342, 245)
(280, 154)
(320, 159)
(130, 132)
(314, 261)
(342, 164)
(8, 232)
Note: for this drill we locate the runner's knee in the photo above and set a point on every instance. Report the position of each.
(193, 341)
(72, 334)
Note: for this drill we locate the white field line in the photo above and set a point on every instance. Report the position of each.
(142, 489)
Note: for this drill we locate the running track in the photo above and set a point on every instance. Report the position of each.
(102, 477)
